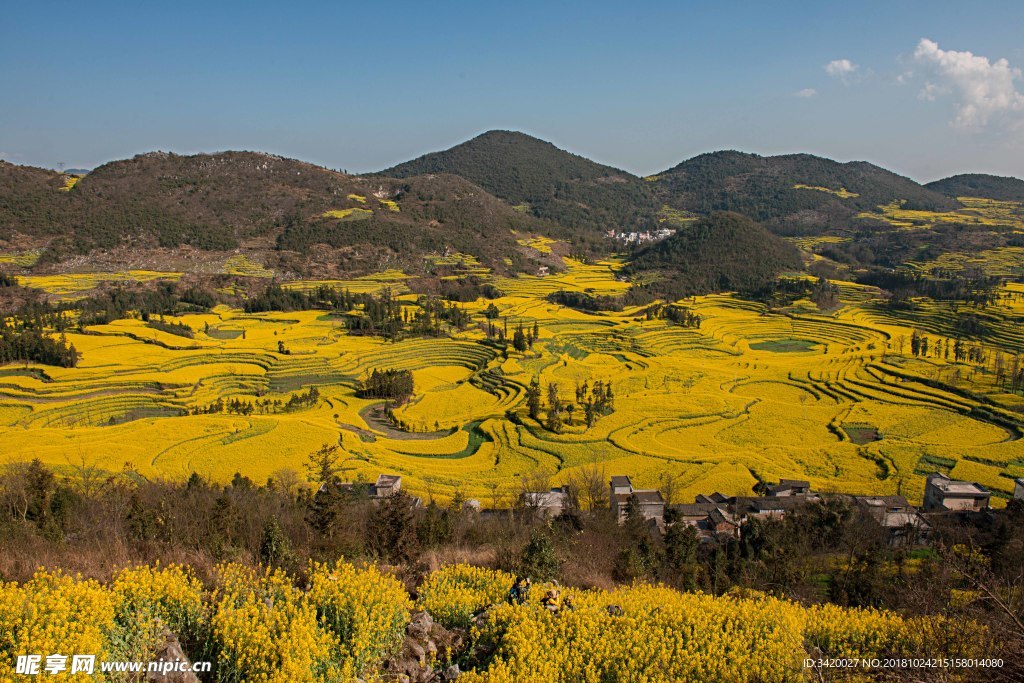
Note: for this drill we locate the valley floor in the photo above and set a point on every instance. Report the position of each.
(834, 398)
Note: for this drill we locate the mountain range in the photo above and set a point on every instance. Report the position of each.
(488, 197)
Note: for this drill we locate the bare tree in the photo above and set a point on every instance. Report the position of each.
(669, 487)
(286, 480)
(590, 484)
(536, 482)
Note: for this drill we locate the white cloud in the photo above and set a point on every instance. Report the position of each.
(933, 91)
(982, 90)
(841, 69)
(806, 92)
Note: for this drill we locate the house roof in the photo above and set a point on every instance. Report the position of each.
(545, 499)
(883, 501)
(643, 497)
(698, 509)
(387, 480)
(956, 488)
(787, 484)
(621, 480)
(719, 516)
(748, 504)
(902, 519)
(715, 497)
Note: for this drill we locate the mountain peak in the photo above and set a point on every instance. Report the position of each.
(543, 179)
(985, 185)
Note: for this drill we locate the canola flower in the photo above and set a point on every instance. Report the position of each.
(265, 632)
(150, 600)
(454, 593)
(364, 609)
(51, 614)
(655, 634)
(346, 621)
(746, 392)
(661, 635)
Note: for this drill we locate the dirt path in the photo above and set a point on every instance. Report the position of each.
(377, 419)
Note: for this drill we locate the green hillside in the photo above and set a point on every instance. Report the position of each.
(544, 181)
(791, 194)
(1003, 188)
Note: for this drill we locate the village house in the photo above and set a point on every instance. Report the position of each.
(387, 485)
(620, 484)
(652, 505)
(711, 519)
(546, 504)
(1018, 488)
(901, 521)
(942, 493)
(790, 487)
(715, 515)
(766, 507)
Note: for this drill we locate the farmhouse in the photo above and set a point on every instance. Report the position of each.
(652, 505)
(901, 521)
(546, 504)
(766, 507)
(717, 515)
(621, 484)
(789, 487)
(387, 485)
(942, 493)
(711, 519)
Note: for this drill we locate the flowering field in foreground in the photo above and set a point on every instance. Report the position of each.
(252, 625)
(339, 622)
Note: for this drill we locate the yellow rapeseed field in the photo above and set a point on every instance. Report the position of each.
(258, 626)
(749, 396)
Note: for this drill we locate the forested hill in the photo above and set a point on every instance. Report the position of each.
(722, 252)
(791, 194)
(1003, 188)
(544, 180)
(238, 199)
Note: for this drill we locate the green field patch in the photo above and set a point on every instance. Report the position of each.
(221, 333)
(477, 438)
(933, 463)
(284, 383)
(784, 345)
(861, 433)
(144, 413)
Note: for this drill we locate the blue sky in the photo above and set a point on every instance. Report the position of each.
(638, 85)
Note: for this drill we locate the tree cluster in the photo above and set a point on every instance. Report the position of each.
(680, 315)
(594, 400)
(391, 385)
(30, 345)
(259, 406)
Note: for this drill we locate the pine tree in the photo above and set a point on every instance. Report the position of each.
(533, 398)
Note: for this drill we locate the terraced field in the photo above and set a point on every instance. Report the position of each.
(749, 396)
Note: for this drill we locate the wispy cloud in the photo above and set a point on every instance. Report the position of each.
(983, 91)
(842, 69)
(805, 93)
